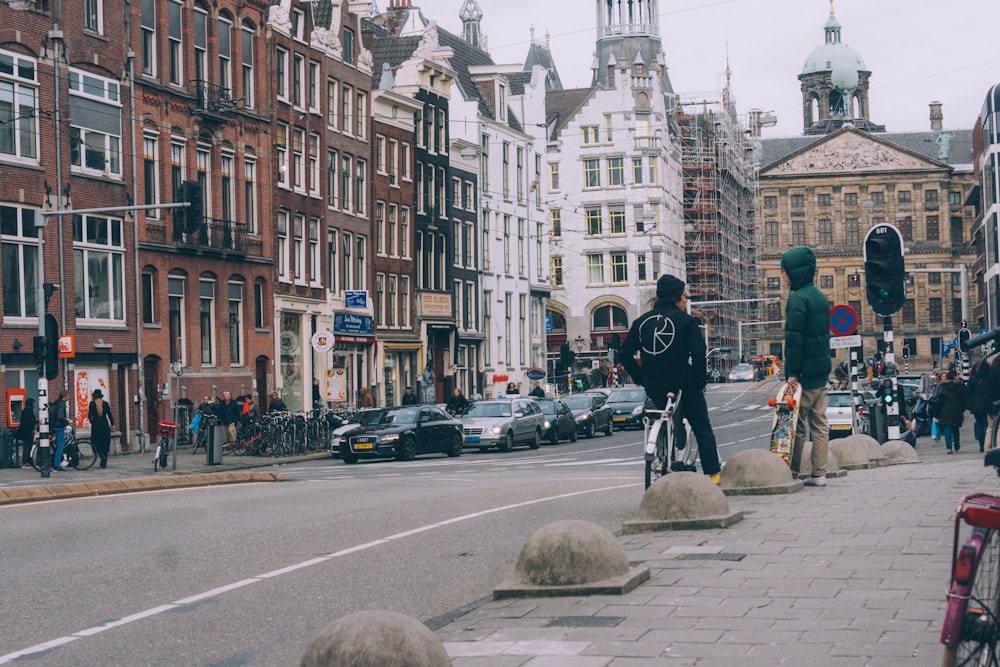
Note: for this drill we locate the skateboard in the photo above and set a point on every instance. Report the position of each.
(786, 416)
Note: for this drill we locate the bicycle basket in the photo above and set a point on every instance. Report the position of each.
(166, 429)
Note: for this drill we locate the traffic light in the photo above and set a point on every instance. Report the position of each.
(51, 347)
(885, 392)
(190, 218)
(885, 271)
(963, 336)
(566, 355)
(906, 352)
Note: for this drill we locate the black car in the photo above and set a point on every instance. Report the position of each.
(559, 421)
(628, 407)
(403, 433)
(590, 412)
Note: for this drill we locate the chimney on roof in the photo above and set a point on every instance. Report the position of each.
(937, 116)
(395, 16)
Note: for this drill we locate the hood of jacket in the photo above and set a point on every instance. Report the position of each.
(800, 265)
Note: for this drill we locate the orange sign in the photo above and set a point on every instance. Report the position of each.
(67, 346)
(501, 377)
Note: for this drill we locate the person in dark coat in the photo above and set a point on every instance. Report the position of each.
(229, 413)
(457, 403)
(101, 421)
(537, 392)
(980, 399)
(409, 398)
(276, 404)
(26, 431)
(951, 409)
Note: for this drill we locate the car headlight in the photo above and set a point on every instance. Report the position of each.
(495, 430)
(391, 437)
(546, 425)
(637, 410)
(583, 418)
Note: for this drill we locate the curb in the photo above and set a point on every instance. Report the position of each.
(88, 489)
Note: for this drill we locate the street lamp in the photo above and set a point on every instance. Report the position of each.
(579, 343)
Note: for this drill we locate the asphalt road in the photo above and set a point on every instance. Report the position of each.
(248, 574)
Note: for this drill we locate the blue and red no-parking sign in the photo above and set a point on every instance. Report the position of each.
(843, 320)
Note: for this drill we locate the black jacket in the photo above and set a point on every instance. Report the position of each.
(671, 351)
(26, 429)
(58, 414)
(229, 412)
(409, 399)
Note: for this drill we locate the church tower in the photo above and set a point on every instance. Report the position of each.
(472, 18)
(628, 37)
(834, 83)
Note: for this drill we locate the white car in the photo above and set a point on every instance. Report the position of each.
(741, 373)
(838, 413)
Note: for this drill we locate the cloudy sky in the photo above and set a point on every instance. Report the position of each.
(917, 50)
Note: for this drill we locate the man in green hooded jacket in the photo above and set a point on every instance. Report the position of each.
(807, 357)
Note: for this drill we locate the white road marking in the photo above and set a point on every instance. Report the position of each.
(154, 611)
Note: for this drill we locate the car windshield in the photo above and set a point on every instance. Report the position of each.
(578, 402)
(396, 417)
(488, 410)
(627, 396)
(548, 407)
(744, 368)
(838, 400)
(366, 417)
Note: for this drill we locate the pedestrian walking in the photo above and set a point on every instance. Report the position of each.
(807, 358)
(26, 431)
(457, 403)
(537, 392)
(101, 421)
(980, 400)
(950, 410)
(671, 352)
(367, 400)
(229, 412)
(317, 395)
(409, 398)
(59, 418)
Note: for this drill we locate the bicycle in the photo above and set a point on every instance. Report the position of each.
(662, 454)
(165, 445)
(78, 454)
(971, 625)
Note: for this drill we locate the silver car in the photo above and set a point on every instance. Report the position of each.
(503, 424)
(839, 410)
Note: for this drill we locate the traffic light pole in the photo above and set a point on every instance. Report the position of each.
(44, 453)
(892, 408)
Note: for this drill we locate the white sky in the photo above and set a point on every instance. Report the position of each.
(917, 50)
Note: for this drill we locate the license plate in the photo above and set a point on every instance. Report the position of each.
(363, 445)
(472, 438)
(841, 427)
(620, 419)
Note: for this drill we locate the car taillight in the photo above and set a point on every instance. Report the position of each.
(965, 564)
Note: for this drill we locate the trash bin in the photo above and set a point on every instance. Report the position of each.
(216, 439)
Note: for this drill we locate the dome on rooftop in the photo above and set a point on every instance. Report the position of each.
(831, 56)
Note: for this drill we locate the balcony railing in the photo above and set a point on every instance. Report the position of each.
(216, 235)
(213, 99)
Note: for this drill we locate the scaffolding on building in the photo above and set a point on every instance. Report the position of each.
(721, 226)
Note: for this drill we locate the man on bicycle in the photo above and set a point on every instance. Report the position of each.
(672, 358)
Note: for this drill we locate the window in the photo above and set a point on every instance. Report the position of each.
(383, 302)
(298, 25)
(823, 200)
(555, 223)
(312, 86)
(298, 79)
(933, 278)
(607, 128)
(850, 199)
(281, 74)
(934, 314)
(637, 170)
(909, 312)
(595, 269)
(332, 268)
(332, 178)
(404, 232)
(506, 244)
(854, 280)
(798, 232)
(591, 173)
(591, 134)
(19, 257)
(258, 303)
(825, 231)
(878, 198)
(519, 175)
(522, 253)
(640, 261)
(313, 167)
(619, 268)
(798, 201)
(592, 217)
(206, 320)
(616, 172)
(99, 256)
(506, 170)
(771, 234)
(905, 226)
(608, 317)
(148, 297)
(284, 272)
(380, 228)
(174, 66)
(851, 232)
(147, 41)
(553, 177)
(176, 164)
(347, 109)
(95, 130)
(362, 257)
(556, 264)
(226, 186)
(347, 263)
(616, 218)
(393, 162)
(393, 229)
(770, 201)
(175, 317)
(235, 323)
(225, 47)
(200, 17)
(404, 299)
(856, 306)
(150, 175)
(298, 249)
(93, 15)
(298, 159)
(773, 283)
(362, 186)
(933, 228)
(250, 194)
(930, 197)
(348, 44)
(651, 169)
(346, 165)
(955, 197)
(361, 132)
(18, 106)
(903, 196)
(826, 282)
(246, 61)
(315, 261)
(484, 161)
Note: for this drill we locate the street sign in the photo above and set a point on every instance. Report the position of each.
(840, 342)
(954, 342)
(355, 299)
(982, 331)
(843, 320)
(945, 349)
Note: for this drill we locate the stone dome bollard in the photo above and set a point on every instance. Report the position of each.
(757, 472)
(376, 639)
(571, 557)
(833, 468)
(681, 501)
(897, 452)
(875, 454)
(852, 454)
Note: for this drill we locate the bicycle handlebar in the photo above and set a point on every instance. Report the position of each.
(981, 339)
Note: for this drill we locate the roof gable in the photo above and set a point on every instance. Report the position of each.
(851, 151)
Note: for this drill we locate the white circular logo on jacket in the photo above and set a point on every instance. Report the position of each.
(657, 334)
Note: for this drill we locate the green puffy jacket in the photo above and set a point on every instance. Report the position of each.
(807, 322)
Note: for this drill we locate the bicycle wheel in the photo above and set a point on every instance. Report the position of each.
(85, 455)
(655, 467)
(980, 627)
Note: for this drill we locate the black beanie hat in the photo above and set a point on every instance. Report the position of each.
(669, 288)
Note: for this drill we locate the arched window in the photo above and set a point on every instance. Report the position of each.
(607, 317)
(558, 321)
